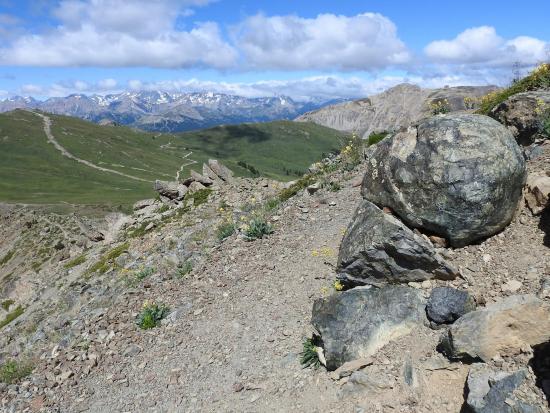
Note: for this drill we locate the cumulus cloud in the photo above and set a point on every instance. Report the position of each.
(483, 46)
(129, 33)
(362, 42)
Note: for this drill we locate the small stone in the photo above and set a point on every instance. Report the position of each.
(512, 286)
(487, 258)
(332, 203)
(447, 304)
(238, 387)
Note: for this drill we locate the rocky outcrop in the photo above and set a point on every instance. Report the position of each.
(356, 323)
(213, 173)
(491, 391)
(447, 304)
(392, 109)
(458, 176)
(503, 328)
(379, 249)
(522, 113)
(537, 193)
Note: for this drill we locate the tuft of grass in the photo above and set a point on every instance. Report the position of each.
(7, 257)
(81, 259)
(151, 314)
(199, 197)
(272, 204)
(296, 187)
(309, 356)
(225, 230)
(103, 265)
(376, 137)
(6, 304)
(162, 209)
(257, 228)
(13, 371)
(537, 79)
(12, 316)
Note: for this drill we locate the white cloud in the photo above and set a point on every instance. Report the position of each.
(113, 33)
(107, 84)
(362, 42)
(483, 46)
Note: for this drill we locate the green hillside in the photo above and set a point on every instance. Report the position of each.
(33, 171)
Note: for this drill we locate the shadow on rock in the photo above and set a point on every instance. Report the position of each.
(544, 225)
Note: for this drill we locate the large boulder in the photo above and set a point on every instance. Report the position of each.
(503, 328)
(167, 189)
(492, 391)
(379, 249)
(224, 173)
(522, 114)
(357, 323)
(458, 176)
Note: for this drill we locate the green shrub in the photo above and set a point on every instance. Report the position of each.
(376, 137)
(144, 273)
(6, 304)
(199, 197)
(225, 230)
(81, 259)
(271, 204)
(309, 356)
(151, 315)
(13, 371)
(352, 152)
(537, 79)
(12, 316)
(257, 228)
(184, 269)
(7, 257)
(440, 107)
(162, 209)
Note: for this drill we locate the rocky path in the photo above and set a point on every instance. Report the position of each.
(66, 153)
(233, 344)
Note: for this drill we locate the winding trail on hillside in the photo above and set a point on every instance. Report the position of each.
(190, 162)
(66, 153)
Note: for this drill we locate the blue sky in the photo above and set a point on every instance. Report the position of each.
(322, 49)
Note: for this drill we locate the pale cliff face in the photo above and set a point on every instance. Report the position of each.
(395, 108)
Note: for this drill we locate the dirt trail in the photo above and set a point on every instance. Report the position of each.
(64, 152)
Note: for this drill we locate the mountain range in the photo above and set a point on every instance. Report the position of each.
(168, 112)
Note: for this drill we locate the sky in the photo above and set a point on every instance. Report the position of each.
(303, 49)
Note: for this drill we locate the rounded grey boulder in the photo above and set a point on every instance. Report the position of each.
(457, 176)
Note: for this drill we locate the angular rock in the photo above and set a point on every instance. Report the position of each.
(491, 391)
(379, 249)
(447, 304)
(537, 193)
(182, 190)
(503, 328)
(195, 186)
(169, 190)
(206, 171)
(144, 203)
(522, 113)
(457, 176)
(224, 173)
(195, 176)
(357, 323)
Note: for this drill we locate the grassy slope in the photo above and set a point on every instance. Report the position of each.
(272, 148)
(33, 171)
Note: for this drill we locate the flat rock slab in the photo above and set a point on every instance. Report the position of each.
(502, 328)
(356, 323)
(457, 176)
(378, 249)
(491, 391)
